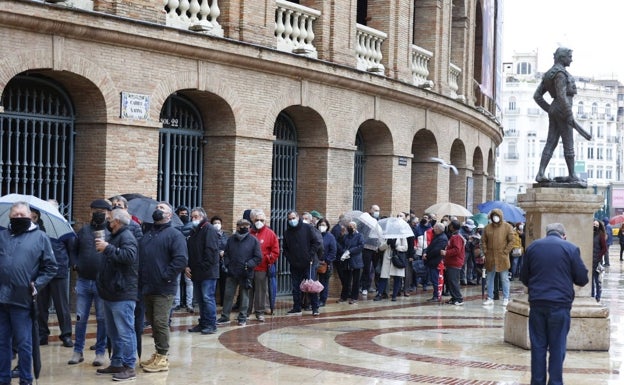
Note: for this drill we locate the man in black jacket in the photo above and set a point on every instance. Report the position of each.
(117, 285)
(432, 257)
(86, 261)
(203, 269)
(162, 255)
(242, 254)
(302, 243)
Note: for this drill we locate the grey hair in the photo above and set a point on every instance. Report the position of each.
(556, 227)
(119, 198)
(122, 216)
(255, 212)
(199, 210)
(439, 226)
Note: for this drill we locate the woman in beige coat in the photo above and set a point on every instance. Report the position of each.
(389, 270)
(496, 243)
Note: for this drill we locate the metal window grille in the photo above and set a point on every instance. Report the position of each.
(358, 175)
(180, 158)
(37, 136)
(283, 188)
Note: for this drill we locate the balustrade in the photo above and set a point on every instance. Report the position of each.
(420, 67)
(294, 28)
(195, 15)
(454, 80)
(368, 49)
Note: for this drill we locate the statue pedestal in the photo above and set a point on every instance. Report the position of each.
(574, 208)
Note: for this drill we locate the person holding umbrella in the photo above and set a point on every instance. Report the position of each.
(27, 264)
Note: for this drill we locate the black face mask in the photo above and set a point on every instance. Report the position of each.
(20, 225)
(184, 219)
(98, 218)
(243, 230)
(350, 230)
(158, 215)
(423, 222)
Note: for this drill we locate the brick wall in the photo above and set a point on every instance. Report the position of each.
(146, 10)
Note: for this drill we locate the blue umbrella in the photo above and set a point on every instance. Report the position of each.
(511, 213)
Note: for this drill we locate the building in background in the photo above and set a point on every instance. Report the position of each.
(596, 108)
(236, 104)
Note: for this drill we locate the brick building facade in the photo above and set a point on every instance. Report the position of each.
(243, 66)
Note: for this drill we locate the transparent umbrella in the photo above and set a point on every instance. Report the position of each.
(394, 227)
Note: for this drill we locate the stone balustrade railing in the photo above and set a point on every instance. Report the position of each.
(420, 67)
(368, 49)
(294, 28)
(195, 15)
(454, 80)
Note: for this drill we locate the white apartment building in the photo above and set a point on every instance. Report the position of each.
(526, 127)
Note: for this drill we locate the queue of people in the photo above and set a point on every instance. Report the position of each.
(130, 276)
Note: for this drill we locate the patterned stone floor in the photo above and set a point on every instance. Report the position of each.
(405, 342)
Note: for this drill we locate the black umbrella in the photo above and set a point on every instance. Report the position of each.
(142, 207)
(36, 353)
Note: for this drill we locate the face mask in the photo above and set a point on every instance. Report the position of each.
(158, 215)
(184, 219)
(98, 218)
(375, 214)
(217, 226)
(196, 222)
(350, 230)
(243, 230)
(306, 221)
(20, 225)
(293, 222)
(495, 218)
(259, 225)
(322, 229)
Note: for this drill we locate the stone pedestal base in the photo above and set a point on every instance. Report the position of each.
(574, 208)
(589, 327)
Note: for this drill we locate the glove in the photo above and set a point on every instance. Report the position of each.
(346, 255)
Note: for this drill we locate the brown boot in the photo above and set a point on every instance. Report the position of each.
(160, 364)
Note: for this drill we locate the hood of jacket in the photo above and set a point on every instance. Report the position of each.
(498, 212)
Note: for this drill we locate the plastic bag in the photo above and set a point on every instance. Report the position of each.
(310, 286)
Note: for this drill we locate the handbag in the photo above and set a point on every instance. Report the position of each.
(322, 267)
(398, 260)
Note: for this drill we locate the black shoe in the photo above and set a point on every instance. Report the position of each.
(195, 329)
(111, 370)
(209, 330)
(223, 320)
(384, 296)
(393, 299)
(43, 341)
(126, 374)
(92, 347)
(432, 300)
(321, 304)
(190, 310)
(177, 308)
(377, 298)
(67, 342)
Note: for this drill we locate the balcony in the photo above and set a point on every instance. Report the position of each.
(454, 77)
(420, 67)
(511, 156)
(294, 28)
(195, 15)
(511, 133)
(512, 111)
(368, 49)
(534, 111)
(582, 116)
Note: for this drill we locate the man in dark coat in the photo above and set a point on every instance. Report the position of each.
(27, 264)
(302, 244)
(117, 285)
(551, 268)
(241, 255)
(433, 256)
(203, 269)
(162, 256)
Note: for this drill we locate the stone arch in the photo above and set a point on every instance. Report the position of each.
(491, 181)
(424, 186)
(457, 190)
(479, 178)
(379, 158)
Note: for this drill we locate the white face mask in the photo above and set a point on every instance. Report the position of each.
(196, 222)
(306, 221)
(495, 218)
(322, 229)
(259, 225)
(217, 226)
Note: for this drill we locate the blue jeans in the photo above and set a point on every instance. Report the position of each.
(548, 331)
(119, 316)
(16, 323)
(298, 275)
(188, 291)
(86, 294)
(504, 278)
(205, 292)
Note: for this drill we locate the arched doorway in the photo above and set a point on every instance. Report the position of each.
(37, 134)
(180, 157)
(283, 187)
(358, 174)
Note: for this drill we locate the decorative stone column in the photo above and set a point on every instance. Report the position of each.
(574, 207)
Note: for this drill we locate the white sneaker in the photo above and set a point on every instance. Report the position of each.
(505, 302)
(488, 301)
(364, 292)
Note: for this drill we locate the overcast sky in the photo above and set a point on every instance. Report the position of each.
(594, 30)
